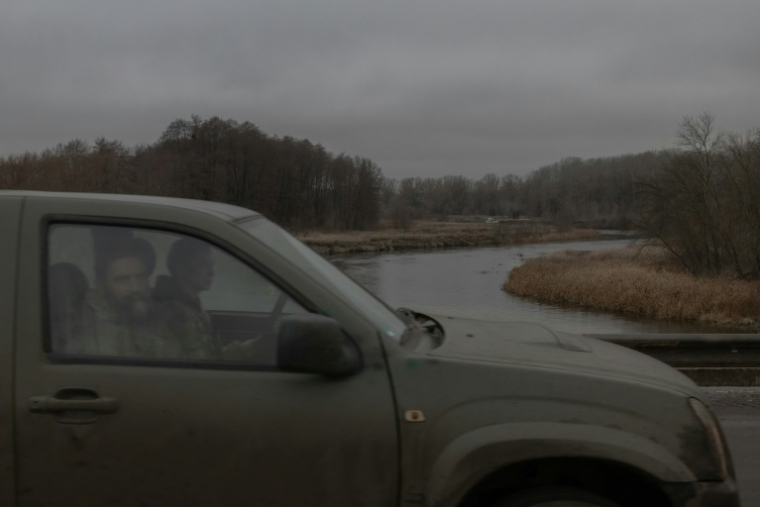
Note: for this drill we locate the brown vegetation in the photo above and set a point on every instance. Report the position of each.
(429, 234)
(642, 280)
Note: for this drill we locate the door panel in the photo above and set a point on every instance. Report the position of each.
(160, 431)
(187, 437)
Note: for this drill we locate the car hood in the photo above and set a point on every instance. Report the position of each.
(527, 343)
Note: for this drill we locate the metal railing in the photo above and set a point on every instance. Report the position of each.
(708, 359)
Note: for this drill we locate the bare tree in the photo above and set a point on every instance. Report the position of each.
(702, 204)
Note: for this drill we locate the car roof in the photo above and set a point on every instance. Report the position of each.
(225, 211)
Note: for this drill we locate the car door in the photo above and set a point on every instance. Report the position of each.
(101, 425)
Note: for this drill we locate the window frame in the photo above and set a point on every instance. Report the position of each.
(237, 253)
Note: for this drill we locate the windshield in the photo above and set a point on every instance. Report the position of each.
(328, 275)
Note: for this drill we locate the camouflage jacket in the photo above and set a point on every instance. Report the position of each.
(186, 319)
(107, 333)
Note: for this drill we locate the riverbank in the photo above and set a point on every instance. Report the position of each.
(639, 280)
(434, 234)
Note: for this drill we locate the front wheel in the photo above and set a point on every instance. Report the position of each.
(556, 497)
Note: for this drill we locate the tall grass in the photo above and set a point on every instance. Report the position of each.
(640, 280)
(430, 234)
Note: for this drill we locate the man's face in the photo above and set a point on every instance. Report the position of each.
(126, 283)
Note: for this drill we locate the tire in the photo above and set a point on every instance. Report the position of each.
(555, 497)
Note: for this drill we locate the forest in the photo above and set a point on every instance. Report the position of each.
(600, 192)
(700, 199)
(294, 182)
(301, 185)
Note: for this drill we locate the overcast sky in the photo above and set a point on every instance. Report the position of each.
(422, 87)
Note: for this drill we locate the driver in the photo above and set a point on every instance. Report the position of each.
(191, 266)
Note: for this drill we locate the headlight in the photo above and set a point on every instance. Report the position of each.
(714, 436)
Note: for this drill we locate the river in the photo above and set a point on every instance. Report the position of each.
(467, 283)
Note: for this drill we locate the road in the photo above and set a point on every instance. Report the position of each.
(738, 409)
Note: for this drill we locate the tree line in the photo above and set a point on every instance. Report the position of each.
(597, 191)
(294, 182)
(701, 200)
(301, 185)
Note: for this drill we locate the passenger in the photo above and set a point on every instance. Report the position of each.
(120, 318)
(191, 265)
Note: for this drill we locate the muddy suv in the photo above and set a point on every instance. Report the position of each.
(173, 352)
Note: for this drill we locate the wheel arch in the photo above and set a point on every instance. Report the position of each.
(477, 460)
(617, 482)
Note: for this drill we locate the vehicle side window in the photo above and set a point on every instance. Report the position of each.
(152, 295)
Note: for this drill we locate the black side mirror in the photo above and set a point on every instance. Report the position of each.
(309, 343)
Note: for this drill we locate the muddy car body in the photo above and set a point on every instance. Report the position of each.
(338, 400)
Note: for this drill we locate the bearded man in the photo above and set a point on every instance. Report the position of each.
(119, 316)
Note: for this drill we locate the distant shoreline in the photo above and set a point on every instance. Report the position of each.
(639, 280)
(432, 234)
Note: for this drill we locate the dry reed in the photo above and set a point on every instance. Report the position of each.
(429, 234)
(641, 280)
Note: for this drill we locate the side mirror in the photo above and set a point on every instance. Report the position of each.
(309, 343)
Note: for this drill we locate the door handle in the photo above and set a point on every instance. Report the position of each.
(74, 405)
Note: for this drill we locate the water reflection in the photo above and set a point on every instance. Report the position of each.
(467, 283)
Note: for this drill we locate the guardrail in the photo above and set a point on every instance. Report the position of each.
(708, 359)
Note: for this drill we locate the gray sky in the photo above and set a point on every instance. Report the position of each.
(423, 88)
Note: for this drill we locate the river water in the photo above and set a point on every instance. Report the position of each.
(467, 283)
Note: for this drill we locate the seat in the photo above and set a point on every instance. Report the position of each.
(67, 290)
